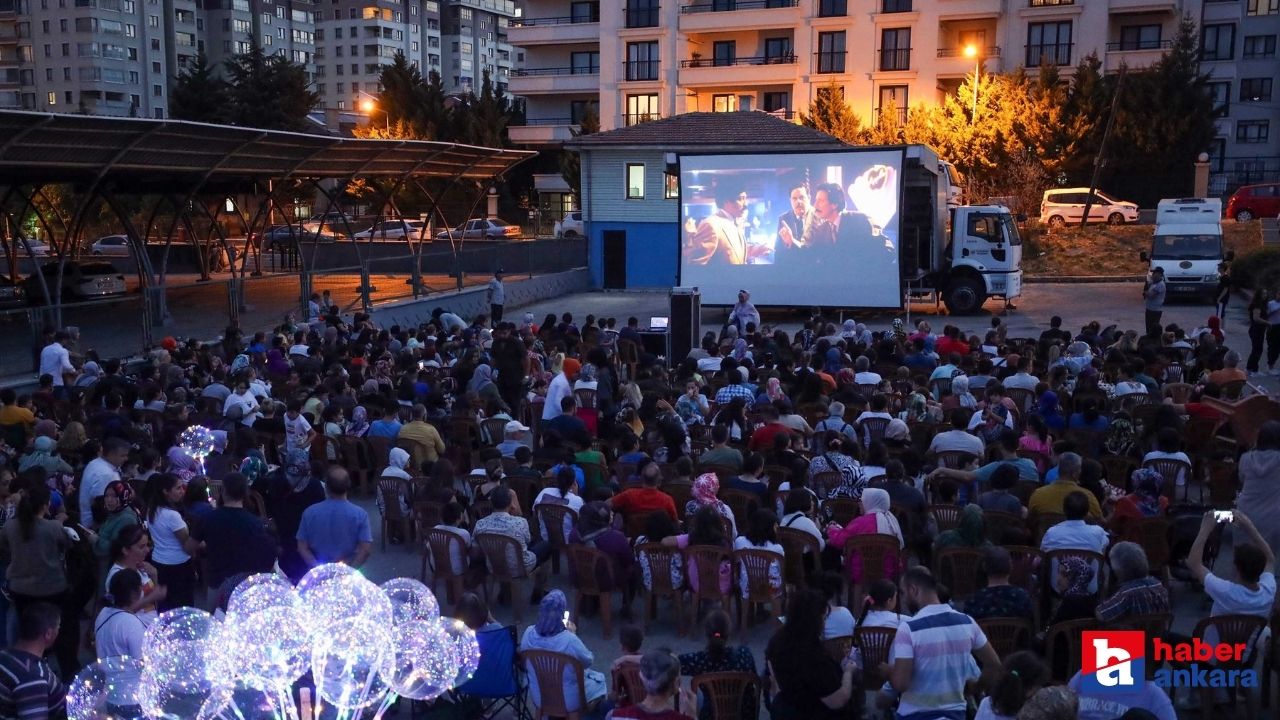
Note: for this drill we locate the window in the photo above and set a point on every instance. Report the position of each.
(777, 50)
(671, 186)
(1139, 37)
(1255, 89)
(579, 109)
(1049, 43)
(831, 52)
(1220, 93)
(44, 26)
(580, 12)
(1263, 7)
(896, 6)
(635, 180)
(723, 52)
(642, 61)
(642, 108)
(642, 13)
(777, 101)
(585, 63)
(833, 8)
(1050, 3)
(1259, 46)
(157, 90)
(724, 103)
(52, 98)
(1217, 42)
(895, 49)
(895, 97)
(1253, 131)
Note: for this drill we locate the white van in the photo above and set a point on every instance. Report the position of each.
(1188, 244)
(1064, 206)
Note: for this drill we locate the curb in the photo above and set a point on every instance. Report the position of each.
(1082, 279)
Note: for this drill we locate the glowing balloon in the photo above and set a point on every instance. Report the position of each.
(331, 596)
(351, 661)
(168, 698)
(187, 668)
(249, 703)
(106, 690)
(259, 592)
(411, 600)
(425, 662)
(270, 648)
(466, 650)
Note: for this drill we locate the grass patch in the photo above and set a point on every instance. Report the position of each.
(1109, 250)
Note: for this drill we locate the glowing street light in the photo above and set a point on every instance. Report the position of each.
(369, 106)
(972, 51)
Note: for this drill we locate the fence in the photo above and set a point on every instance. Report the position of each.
(1229, 173)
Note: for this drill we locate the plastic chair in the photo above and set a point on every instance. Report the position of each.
(873, 551)
(741, 503)
(873, 430)
(958, 568)
(705, 560)
(660, 559)
(1171, 469)
(874, 643)
(759, 590)
(495, 429)
(1007, 635)
(946, 516)
(1002, 527)
(1063, 640)
(552, 517)
(731, 695)
(393, 491)
(505, 560)
(838, 647)
(439, 546)
(497, 683)
(547, 669)
(379, 452)
(823, 483)
(1153, 535)
(1232, 630)
(586, 563)
(842, 511)
(797, 544)
(628, 687)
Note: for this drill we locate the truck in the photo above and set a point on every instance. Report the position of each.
(1187, 245)
(959, 254)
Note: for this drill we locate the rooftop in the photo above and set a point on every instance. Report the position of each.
(708, 130)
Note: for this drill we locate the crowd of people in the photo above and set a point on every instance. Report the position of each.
(893, 496)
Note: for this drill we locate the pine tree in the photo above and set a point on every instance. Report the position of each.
(483, 118)
(570, 161)
(199, 95)
(269, 92)
(402, 112)
(830, 114)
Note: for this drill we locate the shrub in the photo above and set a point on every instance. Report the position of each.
(1257, 269)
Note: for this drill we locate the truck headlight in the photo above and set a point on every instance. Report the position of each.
(1211, 278)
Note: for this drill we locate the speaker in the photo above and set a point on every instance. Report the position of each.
(685, 326)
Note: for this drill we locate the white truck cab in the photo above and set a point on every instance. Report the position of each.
(1187, 244)
(985, 257)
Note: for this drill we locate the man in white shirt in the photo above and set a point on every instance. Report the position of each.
(1074, 533)
(560, 388)
(862, 372)
(957, 438)
(497, 296)
(1022, 379)
(449, 322)
(55, 360)
(1253, 589)
(241, 403)
(100, 472)
(514, 436)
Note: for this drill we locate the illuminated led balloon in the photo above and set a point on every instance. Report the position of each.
(466, 650)
(198, 442)
(271, 648)
(106, 690)
(425, 662)
(259, 592)
(411, 600)
(249, 703)
(186, 666)
(351, 661)
(331, 596)
(168, 698)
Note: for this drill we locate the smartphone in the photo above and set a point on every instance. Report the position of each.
(422, 364)
(566, 617)
(1223, 516)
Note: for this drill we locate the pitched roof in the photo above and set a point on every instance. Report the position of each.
(702, 129)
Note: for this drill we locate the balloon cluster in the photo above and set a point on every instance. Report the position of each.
(365, 645)
(198, 442)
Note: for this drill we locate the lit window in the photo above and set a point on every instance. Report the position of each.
(635, 181)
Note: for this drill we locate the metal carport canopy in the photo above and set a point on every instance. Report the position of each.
(36, 147)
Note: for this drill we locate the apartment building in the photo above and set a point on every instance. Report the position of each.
(651, 59)
(10, 87)
(355, 38)
(233, 27)
(475, 33)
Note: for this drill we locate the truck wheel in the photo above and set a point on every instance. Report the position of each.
(1057, 222)
(1244, 216)
(965, 296)
(1115, 219)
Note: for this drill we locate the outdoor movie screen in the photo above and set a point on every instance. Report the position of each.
(799, 229)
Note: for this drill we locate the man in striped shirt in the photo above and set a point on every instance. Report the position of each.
(933, 653)
(29, 690)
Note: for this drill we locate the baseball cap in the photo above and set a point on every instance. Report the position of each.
(515, 426)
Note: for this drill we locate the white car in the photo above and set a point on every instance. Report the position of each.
(1063, 206)
(571, 225)
(481, 229)
(392, 230)
(38, 249)
(111, 245)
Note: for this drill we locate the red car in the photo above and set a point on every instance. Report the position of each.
(1254, 201)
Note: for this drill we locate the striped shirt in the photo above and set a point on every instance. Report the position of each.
(940, 642)
(29, 689)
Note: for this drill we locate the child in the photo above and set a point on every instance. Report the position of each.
(879, 608)
(630, 638)
(839, 622)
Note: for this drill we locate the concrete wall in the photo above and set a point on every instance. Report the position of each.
(473, 301)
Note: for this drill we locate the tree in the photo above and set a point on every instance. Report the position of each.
(887, 129)
(570, 161)
(829, 113)
(400, 112)
(269, 91)
(483, 119)
(200, 95)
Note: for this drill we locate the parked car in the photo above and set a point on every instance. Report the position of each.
(1066, 205)
(392, 230)
(331, 222)
(287, 233)
(111, 245)
(491, 229)
(38, 249)
(571, 225)
(1254, 201)
(11, 294)
(80, 281)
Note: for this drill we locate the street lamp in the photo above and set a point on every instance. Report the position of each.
(369, 106)
(972, 51)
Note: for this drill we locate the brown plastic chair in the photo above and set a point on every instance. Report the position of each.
(1063, 639)
(547, 669)
(842, 511)
(393, 491)
(741, 503)
(551, 516)
(1153, 535)
(873, 550)
(1178, 392)
(797, 544)
(1004, 527)
(505, 560)
(1117, 469)
(681, 493)
(759, 591)
(379, 452)
(438, 548)
(946, 516)
(953, 459)
(707, 559)
(628, 687)
(731, 695)
(588, 565)
(822, 483)
(586, 398)
(838, 647)
(722, 472)
(495, 429)
(1021, 397)
(1007, 635)
(874, 643)
(958, 568)
(660, 559)
(1170, 469)
(628, 357)
(873, 430)
(1232, 630)
(1044, 521)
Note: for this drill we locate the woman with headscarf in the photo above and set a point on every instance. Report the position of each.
(838, 456)
(483, 386)
(595, 530)
(182, 464)
(970, 533)
(117, 503)
(705, 489)
(294, 489)
(359, 424)
(398, 460)
(772, 393)
(89, 375)
(740, 351)
(43, 455)
(1146, 501)
(552, 632)
(960, 391)
(254, 466)
(1048, 411)
(876, 519)
(1073, 580)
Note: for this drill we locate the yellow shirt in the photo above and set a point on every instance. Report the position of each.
(1049, 498)
(15, 414)
(430, 447)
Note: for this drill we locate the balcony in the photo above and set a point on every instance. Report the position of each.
(1048, 54)
(542, 131)
(525, 32)
(1128, 7)
(636, 119)
(953, 63)
(641, 16)
(772, 70)
(641, 71)
(829, 62)
(1049, 3)
(1134, 54)
(535, 81)
(732, 15)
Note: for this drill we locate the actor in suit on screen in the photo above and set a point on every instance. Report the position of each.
(847, 230)
(720, 239)
(794, 224)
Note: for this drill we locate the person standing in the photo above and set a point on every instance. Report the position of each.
(1273, 330)
(55, 361)
(235, 539)
(497, 296)
(1153, 295)
(1257, 327)
(1223, 293)
(28, 686)
(335, 530)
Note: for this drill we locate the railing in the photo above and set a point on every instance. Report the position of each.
(1050, 54)
(784, 114)
(1129, 45)
(729, 62)
(901, 112)
(988, 52)
(640, 70)
(550, 121)
(893, 60)
(642, 17)
(556, 71)
(638, 118)
(1049, 3)
(831, 61)
(729, 5)
(573, 20)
